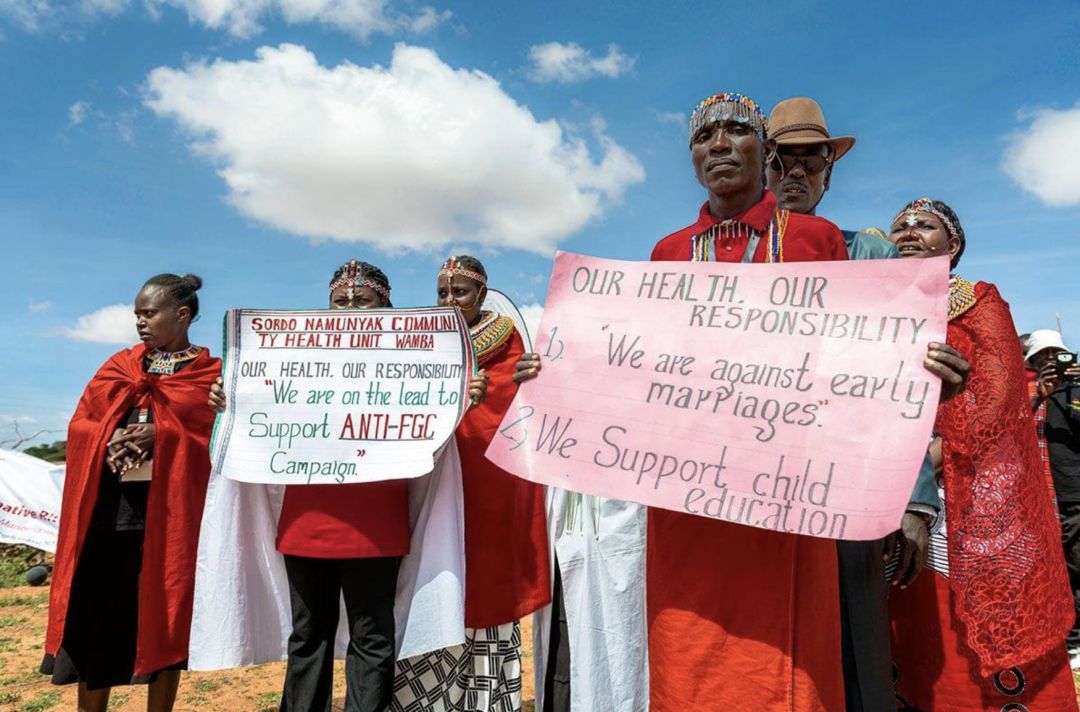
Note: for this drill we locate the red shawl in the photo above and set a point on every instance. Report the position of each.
(507, 570)
(1009, 586)
(174, 509)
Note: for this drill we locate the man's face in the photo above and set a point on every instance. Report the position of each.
(727, 157)
(799, 176)
(1039, 360)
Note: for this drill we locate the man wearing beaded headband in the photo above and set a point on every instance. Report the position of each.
(802, 156)
(741, 629)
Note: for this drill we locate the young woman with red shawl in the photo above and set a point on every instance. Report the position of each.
(138, 464)
(507, 571)
(984, 631)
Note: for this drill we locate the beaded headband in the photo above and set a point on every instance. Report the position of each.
(452, 267)
(728, 107)
(351, 277)
(925, 205)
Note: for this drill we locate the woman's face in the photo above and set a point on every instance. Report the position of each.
(161, 324)
(463, 293)
(346, 297)
(922, 235)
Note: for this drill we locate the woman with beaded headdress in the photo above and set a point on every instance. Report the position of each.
(985, 631)
(345, 541)
(507, 572)
(138, 464)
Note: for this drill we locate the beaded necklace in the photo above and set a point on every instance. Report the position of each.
(490, 334)
(164, 362)
(702, 244)
(961, 296)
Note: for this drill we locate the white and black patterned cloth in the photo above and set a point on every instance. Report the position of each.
(484, 675)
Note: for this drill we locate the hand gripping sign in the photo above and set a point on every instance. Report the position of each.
(789, 397)
(340, 396)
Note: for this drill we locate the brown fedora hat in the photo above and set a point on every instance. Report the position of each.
(800, 122)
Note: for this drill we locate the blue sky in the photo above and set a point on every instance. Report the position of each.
(141, 137)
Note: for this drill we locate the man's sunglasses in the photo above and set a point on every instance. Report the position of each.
(812, 164)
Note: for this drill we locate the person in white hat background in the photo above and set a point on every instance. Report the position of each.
(1058, 392)
(802, 155)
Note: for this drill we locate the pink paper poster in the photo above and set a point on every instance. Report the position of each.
(789, 397)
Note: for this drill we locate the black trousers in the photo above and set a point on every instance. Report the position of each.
(557, 674)
(1070, 540)
(315, 586)
(864, 625)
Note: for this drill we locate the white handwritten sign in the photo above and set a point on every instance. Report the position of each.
(340, 396)
(789, 397)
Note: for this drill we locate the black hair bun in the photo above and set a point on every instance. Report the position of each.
(194, 281)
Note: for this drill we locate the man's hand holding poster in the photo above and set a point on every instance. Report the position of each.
(333, 397)
(789, 397)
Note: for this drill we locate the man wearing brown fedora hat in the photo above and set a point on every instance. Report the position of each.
(800, 169)
(802, 154)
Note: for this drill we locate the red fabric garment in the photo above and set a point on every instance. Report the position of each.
(1040, 430)
(174, 510)
(1010, 590)
(934, 668)
(809, 238)
(354, 521)
(743, 618)
(507, 570)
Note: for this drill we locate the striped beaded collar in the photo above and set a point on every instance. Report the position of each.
(490, 334)
(961, 296)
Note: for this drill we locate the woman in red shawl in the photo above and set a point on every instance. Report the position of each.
(507, 572)
(137, 468)
(984, 630)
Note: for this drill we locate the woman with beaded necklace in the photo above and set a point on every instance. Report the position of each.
(984, 629)
(138, 464)
(507, 572)
(344, 541)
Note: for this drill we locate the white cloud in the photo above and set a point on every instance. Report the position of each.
(569, 63)
(78, 112)
(241, 18)
(414, 156)
(1042, 158)
(21, 419)
(671, 117)
(39, 307)
(532, 314)
(109, 325)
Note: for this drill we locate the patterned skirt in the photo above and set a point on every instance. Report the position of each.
(484, 675)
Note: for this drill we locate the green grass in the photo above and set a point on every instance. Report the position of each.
(36, 599)
(8, 645)
(28, 676)
(11, 621)
(44, 701)
(206, 686)
(268, 701)
(15, 561)
(9, 698)
(118, 701)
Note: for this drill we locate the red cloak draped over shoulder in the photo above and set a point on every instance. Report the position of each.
(183, 423)
(507, 570)
(1010, 589)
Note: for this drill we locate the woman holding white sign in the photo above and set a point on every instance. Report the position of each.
(344, 540)
(507, 572)
(138, 464)
(985, 631)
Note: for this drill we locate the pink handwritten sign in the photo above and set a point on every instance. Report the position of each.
(789, 397)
